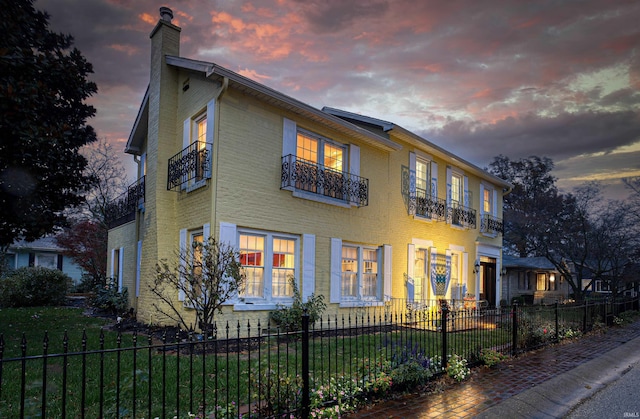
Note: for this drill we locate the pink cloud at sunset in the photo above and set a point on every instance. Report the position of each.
(549, 78)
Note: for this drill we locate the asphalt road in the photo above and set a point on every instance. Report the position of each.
(619, 399)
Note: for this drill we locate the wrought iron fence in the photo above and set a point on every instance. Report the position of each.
(251, 370)
(307, 176)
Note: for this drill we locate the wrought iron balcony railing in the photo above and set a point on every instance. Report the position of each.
(461, 216)
(430, 207)
(304, 175)
(490, 224)
(123, 209)
(189, 166)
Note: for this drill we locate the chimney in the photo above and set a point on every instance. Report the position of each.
(166, 14)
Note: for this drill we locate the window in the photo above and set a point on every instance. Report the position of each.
(524, 281)
(117, 256)
(487, 201)
(323, 162)
(546, 282)
(456, 190)
(423, 178)
(46, 260)
(268, 260)
(458, 197)
(359, 272)
(602, 286)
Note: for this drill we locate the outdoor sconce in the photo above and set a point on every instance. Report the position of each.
(476, 267)
(552, 277)
(504, 271)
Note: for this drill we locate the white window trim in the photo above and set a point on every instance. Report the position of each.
(37, 256)
(383, 287)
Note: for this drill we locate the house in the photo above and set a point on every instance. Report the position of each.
(356, 208)
(532, 279)
(42, 252)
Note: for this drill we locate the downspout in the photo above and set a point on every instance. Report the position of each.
(218, 95)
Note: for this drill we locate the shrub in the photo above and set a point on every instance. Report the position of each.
(107, 298)
(289, 318)
(457, 368)
(491, 358)
(34, 286)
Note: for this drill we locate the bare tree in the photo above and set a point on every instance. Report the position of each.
(204, 276)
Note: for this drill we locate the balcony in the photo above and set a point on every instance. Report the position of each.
(491, 225)
(313, 178)
(431, 207)
(123, 209)
(190, 167)
(461, 216)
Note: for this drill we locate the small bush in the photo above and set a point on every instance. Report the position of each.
(457, 368)
(491, 358)
(108, 299)
(34, 286)
(289, 318)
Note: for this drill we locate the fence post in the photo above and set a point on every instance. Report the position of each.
(557, 331)
(445, 314)
(306, 400)
(584, 317)
(514, 328)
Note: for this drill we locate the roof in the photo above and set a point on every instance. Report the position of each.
(514, 262)
(41, 244)
(412, 138)
(262, 92)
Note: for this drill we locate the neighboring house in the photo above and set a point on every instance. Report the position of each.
(42, 252)
(534, 278)
(627, 283)
(357, 209)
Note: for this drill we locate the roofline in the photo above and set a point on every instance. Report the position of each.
(129, 148)
(392, 128)
(210, 70)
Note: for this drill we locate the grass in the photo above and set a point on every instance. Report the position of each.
(150, 382)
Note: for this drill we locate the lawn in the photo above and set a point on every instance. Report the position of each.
(145, 379)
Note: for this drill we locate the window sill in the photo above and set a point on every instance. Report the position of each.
(320, 198)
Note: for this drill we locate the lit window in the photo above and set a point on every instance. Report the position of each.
(359, 272)
(487, 201)
(268, 261)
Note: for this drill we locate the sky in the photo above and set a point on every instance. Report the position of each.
(552, 78)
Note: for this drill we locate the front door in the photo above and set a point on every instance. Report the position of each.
(488, 272)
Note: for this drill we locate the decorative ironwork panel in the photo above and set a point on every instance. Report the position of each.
(461, 216)
(307, 176)
(491, 225)
(191, 164)
(123, 209)
(431, 207)
(440, 272)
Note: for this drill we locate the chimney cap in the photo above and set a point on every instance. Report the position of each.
(166, 14)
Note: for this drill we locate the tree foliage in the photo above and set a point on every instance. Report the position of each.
(531, 204)
(85, 242)
(43, 115)
(203, 277)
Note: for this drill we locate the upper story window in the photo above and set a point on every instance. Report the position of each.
(321, 169)
(487, 201)
(459, 212)
(490, 224)
(423, 188)
(190, 168)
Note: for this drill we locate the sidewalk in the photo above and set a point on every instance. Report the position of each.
(545, 383)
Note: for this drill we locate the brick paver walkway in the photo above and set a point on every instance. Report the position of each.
(489, 387)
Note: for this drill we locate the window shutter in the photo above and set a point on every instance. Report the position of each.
(412, 183)
(186, 140)
(336, 270)
(448, 270)
(228, 234)
(32, 259)
(183, 262)
(113, 256)
(434, 179)
(448, 186)
(481, 198)
(433, 252)
(466, 198)
(59, 262)
(138, 262)
(388, 272)
(143, 165)
(120, 267)
(495, 202)
(411, 262)
(308, 266)
(354, 169)
(289, 137)
(465, 273)
(209, 135)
